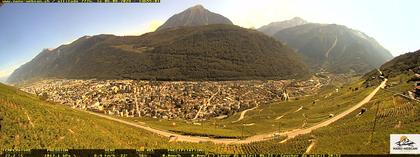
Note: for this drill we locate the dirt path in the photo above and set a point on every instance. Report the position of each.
(207, 104)
(310, 147)
(29, 119)
(243, 114)
(261, 137)
(179, 137)
(300, 108)
(279, 117)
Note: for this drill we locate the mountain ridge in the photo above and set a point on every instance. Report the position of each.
(334, 48)
(211, 52)
(403, 64)
(273, 27)
(194, 16)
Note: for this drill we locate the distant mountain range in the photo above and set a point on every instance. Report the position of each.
(194, 16)
(330, 47)
(274, 27)
(197, 44)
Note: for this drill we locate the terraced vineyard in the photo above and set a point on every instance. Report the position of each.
(358, 133)
(294, 146)
(273, 146)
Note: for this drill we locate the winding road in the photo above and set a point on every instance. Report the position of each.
(261, 137)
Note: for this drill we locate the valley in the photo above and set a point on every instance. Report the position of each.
(201, 82)
(266, 132)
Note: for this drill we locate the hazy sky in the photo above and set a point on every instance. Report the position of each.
(28, 28)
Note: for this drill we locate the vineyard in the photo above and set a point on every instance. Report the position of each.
(362, 132)
(273, 146)
(406, 110)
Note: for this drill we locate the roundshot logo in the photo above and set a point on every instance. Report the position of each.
(404, 144)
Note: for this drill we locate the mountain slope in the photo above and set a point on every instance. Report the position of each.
(369, 132)
(335, 48)
(212, 52)
(402, 64)
(274, 27)
(194, 16)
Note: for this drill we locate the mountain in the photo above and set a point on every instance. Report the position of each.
(211, 52)
(194, 16)
(274, 27)
(335, 48)
(403, 63)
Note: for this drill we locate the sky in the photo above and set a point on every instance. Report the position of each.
(28, 28)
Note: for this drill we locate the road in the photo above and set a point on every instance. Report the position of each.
(261, 137)
(207, 104)
(293, 133)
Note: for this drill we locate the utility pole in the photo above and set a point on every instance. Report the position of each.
(242, 131)
(278, 129)
(215, 125)
(374, 122)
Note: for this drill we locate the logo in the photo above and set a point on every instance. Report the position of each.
(404, 144)
(404, 141)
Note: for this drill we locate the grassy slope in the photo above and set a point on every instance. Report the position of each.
(56, 126)
(352, 134)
